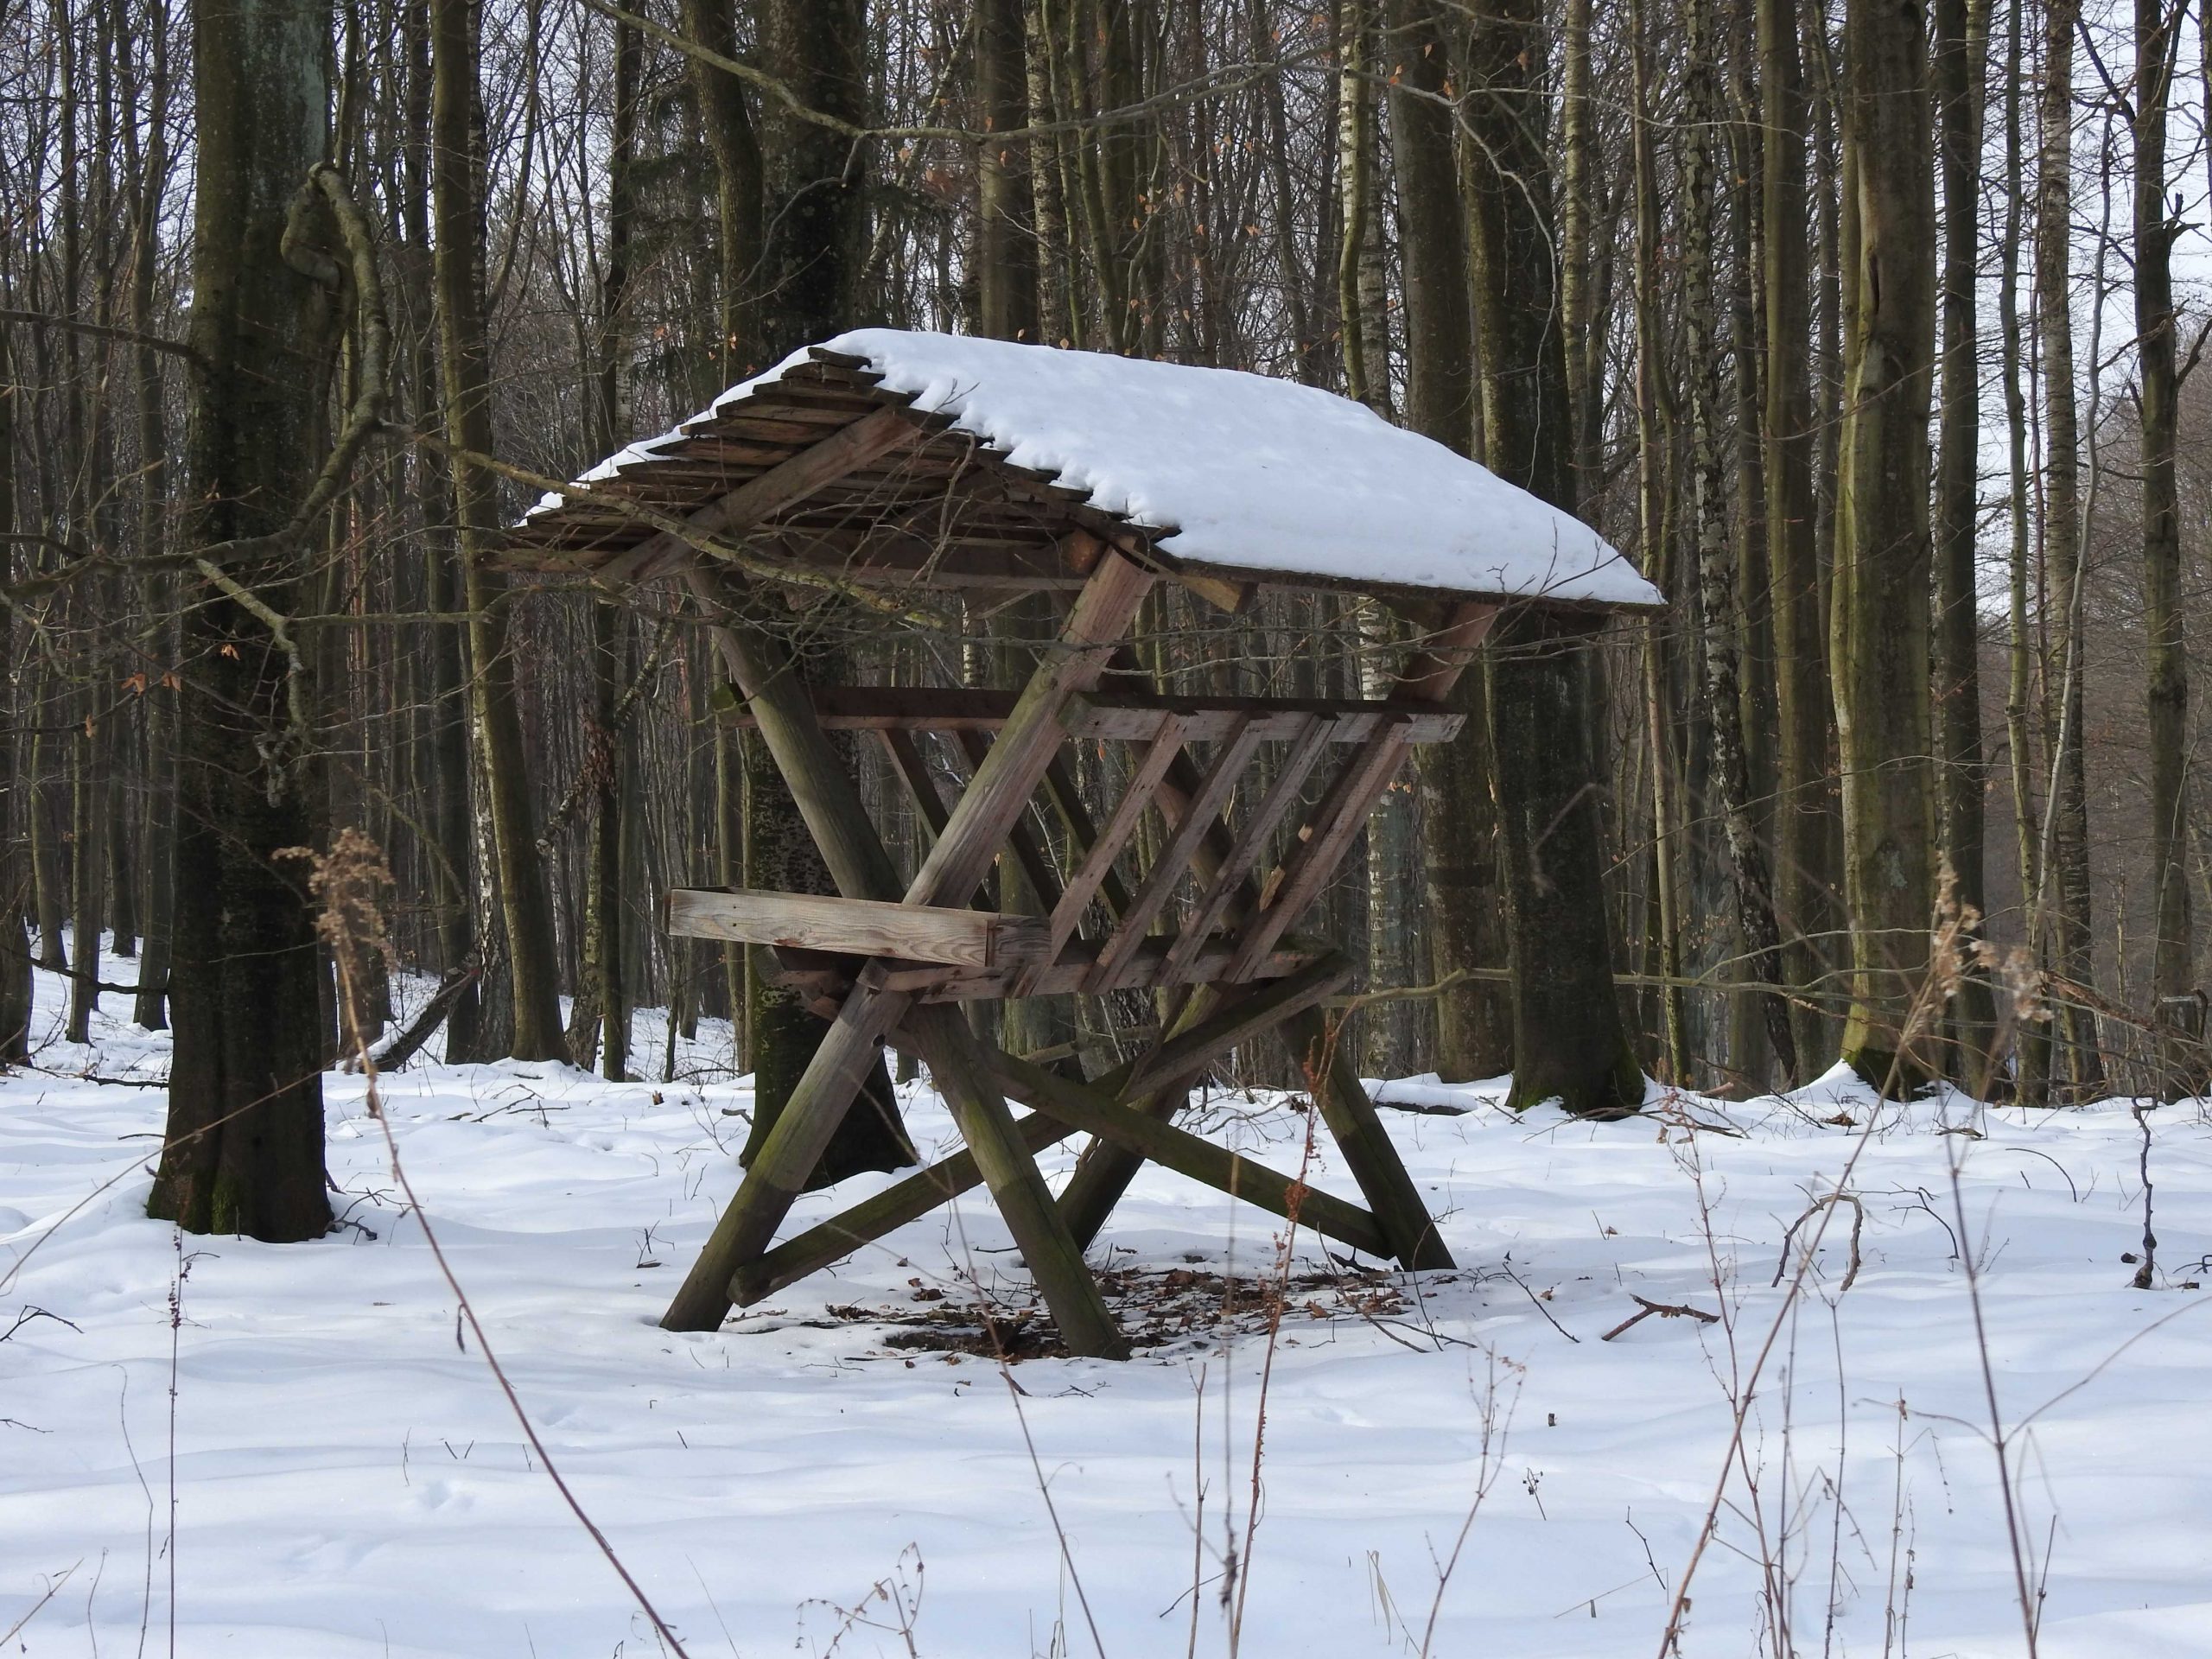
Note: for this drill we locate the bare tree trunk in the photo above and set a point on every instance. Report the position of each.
(1654, 519)
(730, 139)
(1961, 54)
(16, 977)
(457, 190)
(1569, 1042)
(2061, 913)
(1460, 814)
(244, 1150)
(600, 1020)
(2180, 1018)
(1881, 623)
(1806, 841)
(1752, 886)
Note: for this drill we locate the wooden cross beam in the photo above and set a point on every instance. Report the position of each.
(912, 949)
(862, 869)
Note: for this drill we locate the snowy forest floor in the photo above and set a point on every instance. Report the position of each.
(310, 1463)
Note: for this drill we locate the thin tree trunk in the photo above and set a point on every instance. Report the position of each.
(1752, 886)
(1880, 624)
(1656, 532)
(1961, 53)
(2181, 1059)
(730, 140)
(457, 192)
(2061, 915)
(1805, 818)
(2029, 1047)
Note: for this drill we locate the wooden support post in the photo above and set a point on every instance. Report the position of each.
(806, 1253)
(1187, 1154)
(778, 1174)
(862, 869)
(1334, 1082)
(962, 1076)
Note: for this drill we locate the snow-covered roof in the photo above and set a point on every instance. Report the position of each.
(1238, 473)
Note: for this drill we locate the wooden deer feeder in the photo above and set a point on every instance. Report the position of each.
(894, 467)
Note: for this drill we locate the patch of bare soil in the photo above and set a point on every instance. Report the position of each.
(1164, 1311)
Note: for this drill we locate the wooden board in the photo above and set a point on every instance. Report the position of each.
(1131, 717)
(861, 927)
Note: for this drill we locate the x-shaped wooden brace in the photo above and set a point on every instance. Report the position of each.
(975, 1080)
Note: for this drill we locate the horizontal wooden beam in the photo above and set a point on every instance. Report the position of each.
(1117, 716)
(859, 927)
(830, 975)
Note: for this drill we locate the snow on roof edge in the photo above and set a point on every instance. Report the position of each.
(1244, 473)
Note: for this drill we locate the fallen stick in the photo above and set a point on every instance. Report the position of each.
(1645, 1309)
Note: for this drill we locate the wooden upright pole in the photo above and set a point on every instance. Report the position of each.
(862, 867)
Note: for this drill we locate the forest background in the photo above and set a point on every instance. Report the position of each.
(1869, 337)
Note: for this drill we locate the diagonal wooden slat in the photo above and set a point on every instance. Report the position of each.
(759, 499)
(1075, 816)
(1221, 779)
(1028, 851)
(1098, 861)
(1333, 827)
(1250, 841)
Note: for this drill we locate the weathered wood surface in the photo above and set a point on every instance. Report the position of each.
(1222, 777)
(937, 982)
(780, 487)
(1186, 1153)
(818, 1104)
(999, 792)
(1223, 886)
(1115, 716)
(1097, 863)
(1336, 824)
(962, 938)
(805, 1254)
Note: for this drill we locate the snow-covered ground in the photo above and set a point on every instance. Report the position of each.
(309, 1464)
